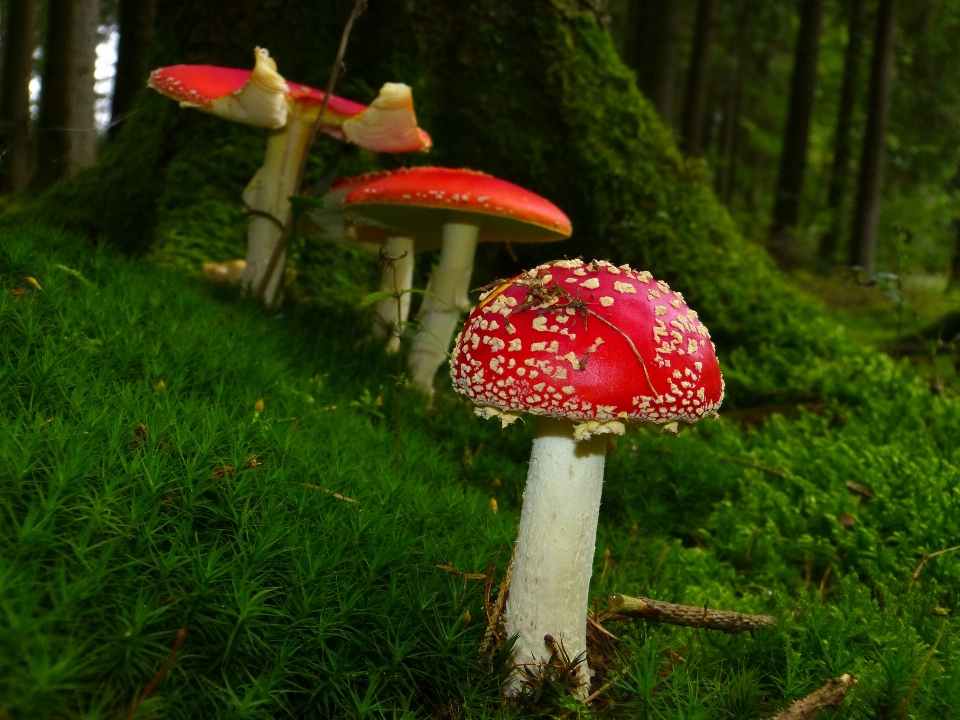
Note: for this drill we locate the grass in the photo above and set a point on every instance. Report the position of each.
(121, 523)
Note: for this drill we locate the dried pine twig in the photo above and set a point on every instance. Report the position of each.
(927, 557)
(491, 638)
(337, 495)
(829, 696)
(156, 679)
(623, 606)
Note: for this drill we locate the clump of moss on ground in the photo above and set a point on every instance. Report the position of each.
(112, 537)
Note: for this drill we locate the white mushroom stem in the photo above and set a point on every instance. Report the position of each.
(269, 192)
(442, 306)
(397, 278)
(549, 589)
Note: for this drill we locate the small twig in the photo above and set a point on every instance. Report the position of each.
(156, 679)
(756, 466)
(491, 637)
(358, 7)
(459, 573)
(593, 696)
(926, 557)
(921, 670)
(624, 606)
(337, 495)
(829, 696)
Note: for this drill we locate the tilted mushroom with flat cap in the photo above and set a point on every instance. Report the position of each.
(590, 348)
(452, 210)
(263, 98)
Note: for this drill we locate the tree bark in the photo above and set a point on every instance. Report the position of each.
(66, 133)
(842, 147)
(698, 78)
(18, 48)
(863, 241)
(133, 55)
(656, 29)
(793, 158)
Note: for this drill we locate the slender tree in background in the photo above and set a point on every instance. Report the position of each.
(653, 50)
(18, 45)
(842, 146)
(135, 21)
(730, 127)
(863, 240)
(66, 132)
(698, 75)
(793, 157)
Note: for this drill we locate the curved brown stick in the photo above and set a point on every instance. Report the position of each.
(829, 696)
(624, 606)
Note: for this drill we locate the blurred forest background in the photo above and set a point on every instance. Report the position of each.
(829, 127)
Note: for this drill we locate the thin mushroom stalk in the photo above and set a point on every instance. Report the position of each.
(439, 313)
(550, 585)
(396, 277)
(268, 194)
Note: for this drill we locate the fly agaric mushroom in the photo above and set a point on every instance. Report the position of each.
(453, 210)
(263, 98)
(589, 347)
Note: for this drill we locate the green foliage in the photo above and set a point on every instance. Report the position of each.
(112, 538)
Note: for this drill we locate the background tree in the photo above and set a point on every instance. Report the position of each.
(863, 241)
(135, 24)
(654, 50)
(18, 46)
(793, 157)
(843, 142)
(698, 76)
(66, 132)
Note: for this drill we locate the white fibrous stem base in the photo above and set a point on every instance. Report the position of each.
(549, 589)
(269, 192)
(441, 308)
(397, 260)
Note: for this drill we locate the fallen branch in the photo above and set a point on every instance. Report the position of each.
(155, 680)
(623, 606)
(337, 495)
(829, 696)
(459, 573)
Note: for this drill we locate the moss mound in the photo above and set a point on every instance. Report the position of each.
(531, 92)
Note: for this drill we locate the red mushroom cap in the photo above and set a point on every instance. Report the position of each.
(203, 84)
(591, 342)
(419, 201)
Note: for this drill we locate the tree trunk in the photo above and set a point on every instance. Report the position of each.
(698, 76)
(549, 106)
(656, 29)
(730, 127)
(842, 147)
(863, 241)
(15, 94)
(133, 56)
(730, 132)
(66, 133)
(793, 157)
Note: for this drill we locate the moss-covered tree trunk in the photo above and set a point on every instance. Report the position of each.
(530, 91)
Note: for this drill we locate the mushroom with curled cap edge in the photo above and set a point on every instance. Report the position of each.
(396, 253)
(589, 347)
(452, 210)
(262, 98)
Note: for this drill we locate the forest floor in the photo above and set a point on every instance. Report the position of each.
(895, 318)
(285, 558)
